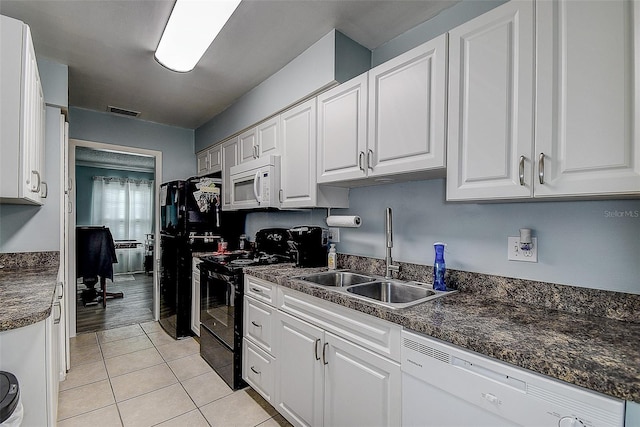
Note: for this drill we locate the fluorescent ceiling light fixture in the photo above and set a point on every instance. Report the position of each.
(192, 27)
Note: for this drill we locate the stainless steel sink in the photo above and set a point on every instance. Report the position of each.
(337, 278)
(395, 294)
(391, 292)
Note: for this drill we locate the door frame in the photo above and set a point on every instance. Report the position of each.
(157, 155)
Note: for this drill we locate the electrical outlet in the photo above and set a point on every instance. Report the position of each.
(334, 235)
(515, 253)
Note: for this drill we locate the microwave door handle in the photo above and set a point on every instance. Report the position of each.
(256, 182)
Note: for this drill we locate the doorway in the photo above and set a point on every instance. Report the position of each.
(115, 187)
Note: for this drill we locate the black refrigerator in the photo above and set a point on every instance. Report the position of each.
(191, 221)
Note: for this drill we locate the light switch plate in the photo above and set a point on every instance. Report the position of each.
(334, 235)
(515, 253)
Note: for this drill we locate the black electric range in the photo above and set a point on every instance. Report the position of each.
(221, 301)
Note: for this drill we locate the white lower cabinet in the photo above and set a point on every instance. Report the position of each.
(195, 295)
(31, 354)
(317, 363)
(326, 380)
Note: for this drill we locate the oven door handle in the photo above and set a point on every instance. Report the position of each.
(218, 276)
(256, 183)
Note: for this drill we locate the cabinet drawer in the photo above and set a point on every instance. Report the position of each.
(260, 290)
(258, 323)
(370, 332)
(258, 370)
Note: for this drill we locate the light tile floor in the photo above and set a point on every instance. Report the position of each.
(138, 376)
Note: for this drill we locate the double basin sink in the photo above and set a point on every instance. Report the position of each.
(390, 293)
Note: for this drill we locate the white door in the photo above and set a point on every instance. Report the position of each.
(229, 159)
(407, 111)
(342, 131)
(299, 388)
(267, 134)
(247, 146)
(587, 107)
(490, 120)
(361, 387)
(298, 169)
(65, 255)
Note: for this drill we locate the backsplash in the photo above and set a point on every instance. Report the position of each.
(571, 299)
(44, 260)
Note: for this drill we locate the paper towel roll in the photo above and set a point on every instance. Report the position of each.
(344, 221)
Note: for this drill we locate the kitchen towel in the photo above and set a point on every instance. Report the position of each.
(352, 221)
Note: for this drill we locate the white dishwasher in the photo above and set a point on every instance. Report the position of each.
(443, 385)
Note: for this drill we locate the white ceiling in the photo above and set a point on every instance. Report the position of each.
(109, 45)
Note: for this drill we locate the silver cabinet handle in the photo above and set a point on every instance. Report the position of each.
(255, 371)
(57, 320)
(369, 159)
(253, 322)
(324, 353)
(360, 159)
(541, 168)
(45, 192)
(36, 189)
(281, 195)
(256, 290)
(256, 152)
(316, 349)
(521, 170)
(70, 184)
(61, 295)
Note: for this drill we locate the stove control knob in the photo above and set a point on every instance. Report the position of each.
(570, 422)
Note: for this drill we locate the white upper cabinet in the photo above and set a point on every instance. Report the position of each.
(229, 155)
(298, 176)
(407, 111)
(342, 131)
(22, 115)
(587, 113)
(556, 121)
(247, 146)
(490, 121)
(260, 140)
(389, 122)
(209, 160)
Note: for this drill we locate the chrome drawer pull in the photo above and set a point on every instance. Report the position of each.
(256, 290)
(255, 324)
(254, 371)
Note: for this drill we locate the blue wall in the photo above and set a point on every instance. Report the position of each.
(176, 144)
(84, 188)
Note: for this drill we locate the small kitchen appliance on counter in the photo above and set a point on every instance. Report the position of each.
(221, 299)
(309, 245)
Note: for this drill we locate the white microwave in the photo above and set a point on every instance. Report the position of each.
(256, 183)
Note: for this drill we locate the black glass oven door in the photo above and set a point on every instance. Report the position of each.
(217, 305)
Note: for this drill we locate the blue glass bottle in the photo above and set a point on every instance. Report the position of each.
(439, 268)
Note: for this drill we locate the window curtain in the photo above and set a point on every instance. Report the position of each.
(126, 207)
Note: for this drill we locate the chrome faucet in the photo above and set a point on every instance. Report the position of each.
(388, 231)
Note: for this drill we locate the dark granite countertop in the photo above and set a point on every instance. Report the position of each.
(598, 353)
(26, 296)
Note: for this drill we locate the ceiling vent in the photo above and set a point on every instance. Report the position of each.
(122, 111)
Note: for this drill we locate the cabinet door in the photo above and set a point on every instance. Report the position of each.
(202, 163)
(587, 107)
(298, 173)
(267, 134)
(342, 131)
(490, 120)
(247, 146)
(229, 158)
(215, 159)
(361, 387)
(299, 389)
(407, 111)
